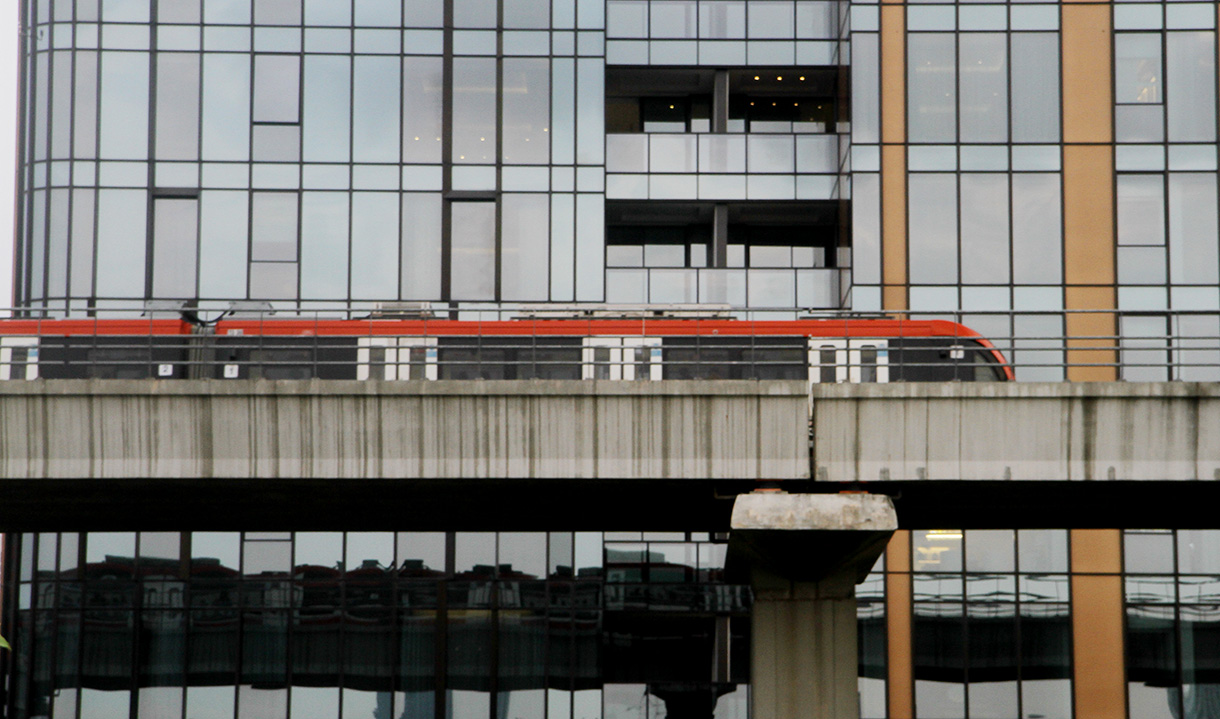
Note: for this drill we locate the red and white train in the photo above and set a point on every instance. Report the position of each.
(423, 348)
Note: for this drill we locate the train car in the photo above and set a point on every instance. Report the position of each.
(536, 347)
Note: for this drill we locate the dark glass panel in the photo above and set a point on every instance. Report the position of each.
(1152, 679)
(1046, 660)
(993, 661)
(938, 660)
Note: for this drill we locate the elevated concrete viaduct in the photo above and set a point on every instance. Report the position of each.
(837, 469)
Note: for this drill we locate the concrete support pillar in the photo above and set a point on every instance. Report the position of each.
(803, 555)
(803, 655)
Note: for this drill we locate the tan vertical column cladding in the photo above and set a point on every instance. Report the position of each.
(1089, 235)
(1097, 624)
(893, 156)
(900, 686)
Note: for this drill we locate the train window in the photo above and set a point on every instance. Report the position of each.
(719, 357)
(18, 358)
(510, 358)
(849, 360)
(827, 360)
(868, 361)
(622, 358)
(396, 358)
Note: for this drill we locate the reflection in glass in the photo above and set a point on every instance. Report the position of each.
(1046, 661)
(1042, 550)
(1148, 551)
(474, 110)
(1151, 662)
(938, 656)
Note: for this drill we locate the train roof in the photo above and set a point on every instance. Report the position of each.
(670, 327)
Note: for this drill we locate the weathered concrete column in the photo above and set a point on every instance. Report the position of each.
(803, 555)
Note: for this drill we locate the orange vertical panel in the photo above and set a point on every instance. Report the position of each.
(893, 73)
(1097, 551)
(900, 687)
(1088, 103)
(1088, 261)
(1097, 639)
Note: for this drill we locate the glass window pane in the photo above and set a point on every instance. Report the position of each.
(990, 550)
(175, 247)
(524, 229)
(1141, 209)
(1199, 551)
(473, 239)
(931, 88)
(324, 217)
(1148, 551)
(984, 208)
(933, 238)
(177, 106)
(527, 111)
(226, 106)
(1193, 228)
(421, 246)
(375, 109)
(983, 73)
(474, 110)
(1036, 228)
(421, 129)
(1151, 677)
(277, 12)
(1137, 72)
(124, 106)
(1191, 82)
(277, 88)
(374, 245)
(1035, 87)
(274, 226)
(327, 108)
(121, 236)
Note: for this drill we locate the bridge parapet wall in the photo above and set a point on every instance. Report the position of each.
(200, 429)
(1016, 431)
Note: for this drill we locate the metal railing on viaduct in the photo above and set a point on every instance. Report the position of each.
(95, 454)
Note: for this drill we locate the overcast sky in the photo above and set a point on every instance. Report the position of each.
(8, 143)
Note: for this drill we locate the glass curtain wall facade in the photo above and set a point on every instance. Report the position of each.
(339, 152)
(534, 625)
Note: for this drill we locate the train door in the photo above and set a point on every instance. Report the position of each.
(844, 360)
(18, 358)
(622, 358)
(396, 358)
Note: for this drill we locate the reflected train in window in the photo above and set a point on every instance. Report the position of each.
(620, 348)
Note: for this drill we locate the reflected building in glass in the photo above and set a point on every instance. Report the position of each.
(1048, 170)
